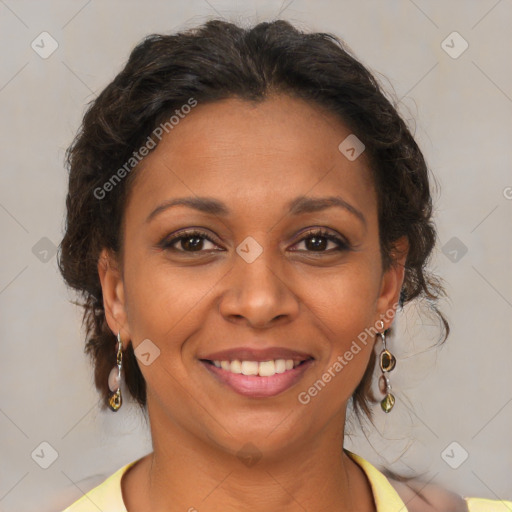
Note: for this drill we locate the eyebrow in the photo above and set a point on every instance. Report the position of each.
(297, 206)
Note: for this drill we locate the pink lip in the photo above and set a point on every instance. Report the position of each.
(255, 386)
(252, 354)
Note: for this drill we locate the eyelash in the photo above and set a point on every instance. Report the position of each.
(320, 233)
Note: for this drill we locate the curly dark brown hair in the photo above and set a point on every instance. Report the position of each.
(215, 61)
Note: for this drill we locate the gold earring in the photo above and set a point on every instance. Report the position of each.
(387, 362)
(114, 378)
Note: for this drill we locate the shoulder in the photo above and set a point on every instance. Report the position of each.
(421, 497)
(485, 505)
(106, 496)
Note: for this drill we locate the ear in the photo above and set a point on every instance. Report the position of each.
(113, 294)
(392, 281)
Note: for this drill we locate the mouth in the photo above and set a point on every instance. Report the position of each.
(260, 368)
(258, 379)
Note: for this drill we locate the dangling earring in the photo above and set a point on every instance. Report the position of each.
(387, 363)
(114, 378)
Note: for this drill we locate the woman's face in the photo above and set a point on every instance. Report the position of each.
(263, 282)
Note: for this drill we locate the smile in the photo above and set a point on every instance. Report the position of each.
(263, 368)
(258, 379)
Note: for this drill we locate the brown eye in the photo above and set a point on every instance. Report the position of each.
(191, 241)
(194, 242)
(317, 241)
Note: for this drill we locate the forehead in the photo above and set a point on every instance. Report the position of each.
(248, 154)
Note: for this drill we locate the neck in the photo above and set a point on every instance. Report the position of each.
(188, 473)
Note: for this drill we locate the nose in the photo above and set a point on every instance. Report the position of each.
(258, 293)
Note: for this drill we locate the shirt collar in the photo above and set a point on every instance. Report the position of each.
(385, 496)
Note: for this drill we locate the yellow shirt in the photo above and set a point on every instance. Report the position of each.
(108, 496)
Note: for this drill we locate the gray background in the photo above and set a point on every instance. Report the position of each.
(460, 109)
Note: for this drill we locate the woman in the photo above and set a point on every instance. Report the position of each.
(246, 211)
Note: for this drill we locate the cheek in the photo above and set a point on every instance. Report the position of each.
(348, 344)
(162, 306)
(162, 302)
(346, 306)
(346, 299)
(159, 298)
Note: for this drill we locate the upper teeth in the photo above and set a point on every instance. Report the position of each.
(263, 368)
